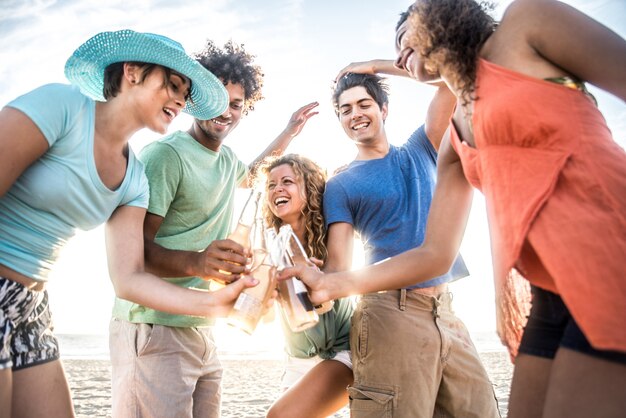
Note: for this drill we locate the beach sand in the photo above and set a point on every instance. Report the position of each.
(249, 386)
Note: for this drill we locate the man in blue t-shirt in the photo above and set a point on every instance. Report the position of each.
(410, 353)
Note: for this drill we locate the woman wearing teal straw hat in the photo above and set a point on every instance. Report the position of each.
(65, 163)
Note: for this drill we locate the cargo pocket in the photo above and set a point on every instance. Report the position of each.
(370, 403)
(359, 332)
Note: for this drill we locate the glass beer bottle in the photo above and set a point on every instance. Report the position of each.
(248, 308)
(241, 233)
(296, 306)
(300, 256)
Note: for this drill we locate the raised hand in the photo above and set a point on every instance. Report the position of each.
(300, 118)
(376, 66)
(364, 67)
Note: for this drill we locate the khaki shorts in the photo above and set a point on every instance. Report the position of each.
(296, 367)
(161, 371)
(413, 358)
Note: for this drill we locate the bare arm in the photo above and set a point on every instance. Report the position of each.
(125, 255)
(297, 121)
(21, 144)
(573, 41)
(224, 255)
(440, 108)
(444, 232)
(340, 247)
(376, 66)
(439, 112)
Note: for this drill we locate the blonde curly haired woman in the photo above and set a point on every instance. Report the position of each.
(318, 367)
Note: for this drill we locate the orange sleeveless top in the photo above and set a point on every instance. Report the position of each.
(555, 187)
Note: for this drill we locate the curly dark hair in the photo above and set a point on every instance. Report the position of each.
(449, 34)
(312, 182)
(232, 64)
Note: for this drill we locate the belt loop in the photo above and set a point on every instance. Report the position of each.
(436, 305)
(402, 299)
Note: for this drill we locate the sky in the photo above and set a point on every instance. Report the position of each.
(300, 45)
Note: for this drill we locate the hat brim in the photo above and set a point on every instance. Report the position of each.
(85, 68)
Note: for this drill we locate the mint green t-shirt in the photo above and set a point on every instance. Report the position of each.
(193, 189)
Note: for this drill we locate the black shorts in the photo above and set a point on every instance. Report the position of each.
(26, 337)
(550, 326)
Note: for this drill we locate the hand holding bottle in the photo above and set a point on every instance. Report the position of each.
(253, 302)
(297, 309)
(223, 261)
(241, 234)
(220, 302)
(316, 282)
(299, 256)
(316, 262)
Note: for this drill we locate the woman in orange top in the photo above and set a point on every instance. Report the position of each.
(526, 133)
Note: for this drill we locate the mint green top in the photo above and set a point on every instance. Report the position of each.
(193, 189)
(327, 338)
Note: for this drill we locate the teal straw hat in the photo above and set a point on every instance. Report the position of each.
(85, 68)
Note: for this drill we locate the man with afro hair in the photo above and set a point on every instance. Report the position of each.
(167, 365)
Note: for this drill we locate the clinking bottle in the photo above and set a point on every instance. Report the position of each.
(294, 300)
(248, 308)
(241, 233)
(296, 247)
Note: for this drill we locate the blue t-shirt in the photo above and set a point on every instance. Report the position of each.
(387, 200)
(61, 191)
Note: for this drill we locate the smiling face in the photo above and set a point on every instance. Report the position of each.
(360, 116)
(285, 194)
(159, 98)
(212, 133)
(409, 59)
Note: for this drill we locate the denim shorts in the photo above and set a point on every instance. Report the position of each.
(550, 326)
(26, 337)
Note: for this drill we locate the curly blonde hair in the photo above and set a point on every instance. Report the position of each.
(449, 34)
(312, 182)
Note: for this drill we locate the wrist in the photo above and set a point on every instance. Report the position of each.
(210, 306)
(376, 66)
(335, 285)
(193, 262)
(289, 134)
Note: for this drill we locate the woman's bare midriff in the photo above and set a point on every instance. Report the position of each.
(13, 275)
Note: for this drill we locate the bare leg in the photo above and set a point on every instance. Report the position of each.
(6, 384)
(585, 386)
(319, 393)
(529, 386)
(41, 391)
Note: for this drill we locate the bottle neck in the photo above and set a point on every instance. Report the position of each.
(250, 209)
